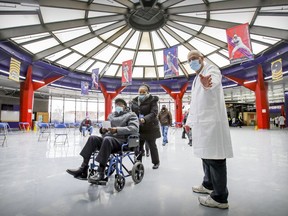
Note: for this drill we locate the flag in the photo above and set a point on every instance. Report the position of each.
(84, 87)
(14, 71)
(95, 78)
(239, 44)
(276, 70)
(170, 56)
(126, 73)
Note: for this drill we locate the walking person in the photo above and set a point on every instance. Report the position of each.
(165, 119)
(145, 105)
(281, 120)
(211, 135)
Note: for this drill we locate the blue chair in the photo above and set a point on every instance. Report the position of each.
(3, 133)
(60, 130)
(44, 131)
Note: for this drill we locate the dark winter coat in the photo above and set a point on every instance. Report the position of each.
(149, 109)
(165, 117)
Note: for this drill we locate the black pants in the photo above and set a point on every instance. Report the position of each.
(153, 150)
(106, 146)
(215, 178)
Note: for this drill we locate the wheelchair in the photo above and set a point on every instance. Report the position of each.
(115, 165)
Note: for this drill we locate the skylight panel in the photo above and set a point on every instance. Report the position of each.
(98, 64)
(182, 53)
(191, 26)
(58, 55)
(132, 43)
(276, 9)
(108, 2)
(69, 60)
(27, 38)
(217, 33)
(108, 34)
(161, 72)
(150, 72)
(92, 14)
(159, 57)
(85, 65)
(120, 39)
(144, 58)
(188, 2)
(265, 39)
(224, 52)
(257, 48)
(101, 25)
(235, 15)
(87, 46)
(157, 42)
(171, 40)
(60, 14)
(145, 43)
(218, 60)
(112, 70)
(182, 34)
(69, 34)
(10, 21)
(137, 72)
(203, 46)
(181, 73)
(41, 45)
(280, 22)
(106, 53)
(202, 15)
(124, 55)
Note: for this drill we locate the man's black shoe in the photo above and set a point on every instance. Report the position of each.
(98, 176)
(156, 166)
(80, 173)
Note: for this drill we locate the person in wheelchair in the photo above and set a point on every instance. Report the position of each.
(86, 125)
(123, 123)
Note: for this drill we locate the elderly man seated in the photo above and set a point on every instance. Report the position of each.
(85, 125)
(123, 123)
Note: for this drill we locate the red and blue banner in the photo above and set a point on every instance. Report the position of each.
(170, 56)
(95, 78)
(84, 87)
(126, 73)
(239, 44)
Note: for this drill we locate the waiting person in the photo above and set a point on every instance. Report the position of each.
(146, 107)
(184, 118)
(276, 120)
(86, 125)
(123, 123)
(165, 119)
(187, 128)
(281, 120)
(210, 131)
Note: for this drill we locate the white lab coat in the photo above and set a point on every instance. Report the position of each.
(208, 118)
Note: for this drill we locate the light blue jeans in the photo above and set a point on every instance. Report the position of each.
(164, 130)
(84, 129)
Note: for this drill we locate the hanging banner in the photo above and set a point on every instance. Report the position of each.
(14, 71)
(127, 73)
(239, 44)
(170, 56)
(95, 78)
(276, 70)
(84, 87)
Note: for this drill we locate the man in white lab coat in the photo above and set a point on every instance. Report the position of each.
(211, 135)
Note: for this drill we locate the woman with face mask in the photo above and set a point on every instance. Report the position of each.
(146, 108)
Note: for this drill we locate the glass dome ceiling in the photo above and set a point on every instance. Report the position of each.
(88, 34)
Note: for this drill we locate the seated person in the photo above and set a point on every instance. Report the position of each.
(123, 123)
(86, 124)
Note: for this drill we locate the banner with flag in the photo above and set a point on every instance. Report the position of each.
(95, 78)
(239, 44)
(170, 56)
(276, 70)
(14, 71)
(84, 87)
(126, 73)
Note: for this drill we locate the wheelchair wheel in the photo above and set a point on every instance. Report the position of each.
(119, 182)
(137, 172)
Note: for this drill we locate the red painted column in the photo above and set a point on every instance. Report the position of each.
(177, 101)
(27, 98)
(262, 104)
(108, 98)
(27, 89)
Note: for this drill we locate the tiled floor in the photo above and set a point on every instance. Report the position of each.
(34, 182)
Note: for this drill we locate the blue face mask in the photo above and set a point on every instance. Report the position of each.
(118, 109)
(195, 65)
(142, 97)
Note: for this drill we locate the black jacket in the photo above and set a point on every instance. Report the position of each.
(149, 108)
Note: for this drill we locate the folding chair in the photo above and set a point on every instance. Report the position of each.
(3, 133)
(60, 130)
(44, 131)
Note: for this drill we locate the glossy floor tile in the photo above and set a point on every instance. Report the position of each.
(34, 182)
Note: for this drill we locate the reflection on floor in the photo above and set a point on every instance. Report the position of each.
(34, 182)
